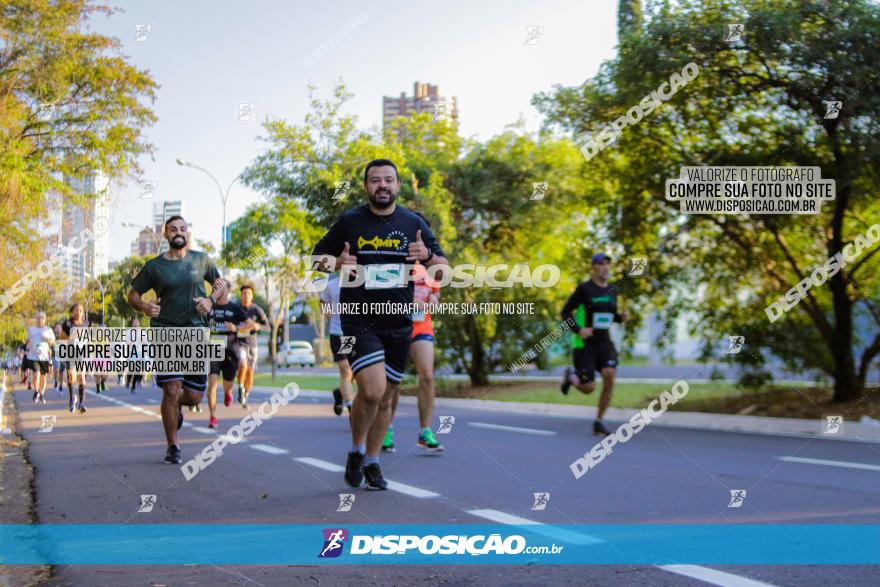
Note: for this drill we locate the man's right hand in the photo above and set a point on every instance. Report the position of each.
(345, 259)
(585, 333)
(153, 308)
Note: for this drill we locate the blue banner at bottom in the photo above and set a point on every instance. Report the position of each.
(235, 544)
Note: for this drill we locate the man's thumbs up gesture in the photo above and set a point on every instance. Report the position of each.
(346, 259)
(417, 250)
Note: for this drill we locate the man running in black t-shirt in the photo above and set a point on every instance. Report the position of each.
(178, 277)
(385, 239)
(225, 320)
(248, 345)
(76, 319)
(591, 310)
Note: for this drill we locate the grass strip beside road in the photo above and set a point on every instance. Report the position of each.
(780, 401)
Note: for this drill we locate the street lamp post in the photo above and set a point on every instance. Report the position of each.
(103, 288)
(224, 196)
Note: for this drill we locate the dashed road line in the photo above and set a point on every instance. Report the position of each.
(827, 463)
(534, 431)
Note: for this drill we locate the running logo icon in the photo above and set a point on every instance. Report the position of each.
(833, 424)
(541, 500)
(346, 500)
(346, 344)
(638, 267)
(316, 266)
(48, 422)
(737, 496)
(334, 541)
(734, 32)
(141, 32)
(147, 503)
(441, 111)
(246, 112)
(342, 188)
(534, 35)
(148, 190)
(539, 190)
(46, 111)
(832, 108)
(736, 344)
(446, 423)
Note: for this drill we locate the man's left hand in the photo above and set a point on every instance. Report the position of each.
(417, 250)
(203, 305)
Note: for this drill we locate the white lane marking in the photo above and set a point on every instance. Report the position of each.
(844, 464)
(713, 576)
(513, 429)
(332, 467)
(392, 485)
(695, 572)
(540, 527)
(410, 490)
(204, 430)
(272, 450)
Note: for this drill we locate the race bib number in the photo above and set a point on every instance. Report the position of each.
(418, 317)
(384, 276)
(603, 320)
(218, 339)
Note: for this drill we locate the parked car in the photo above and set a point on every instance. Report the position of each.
(298, 352)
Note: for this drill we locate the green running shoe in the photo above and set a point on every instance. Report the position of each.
(388, 443)
(428, 441)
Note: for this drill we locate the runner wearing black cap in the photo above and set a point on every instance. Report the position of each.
(591, 310)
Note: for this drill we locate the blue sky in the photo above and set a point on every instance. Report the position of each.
(210, 56)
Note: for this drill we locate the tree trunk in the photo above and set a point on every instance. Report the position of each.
(477, 369)
(846, 382)
(273, 346)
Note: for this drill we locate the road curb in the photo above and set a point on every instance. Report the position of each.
(793, 427)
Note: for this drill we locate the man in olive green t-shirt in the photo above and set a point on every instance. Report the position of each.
(178, 277)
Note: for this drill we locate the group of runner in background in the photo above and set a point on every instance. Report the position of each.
(372, 350)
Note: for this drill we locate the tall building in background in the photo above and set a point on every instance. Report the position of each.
(425, 98)
(86, 226)
(162, 211)
(148, 242)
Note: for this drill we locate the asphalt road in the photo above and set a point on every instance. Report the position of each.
(93, 467)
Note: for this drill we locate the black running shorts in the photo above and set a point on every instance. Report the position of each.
(41, 366)
(229, 365)
(335, 345)
(379, 345)
(594, 356)
(197, 383)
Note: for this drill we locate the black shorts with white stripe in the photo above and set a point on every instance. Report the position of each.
(378, 345)
(197, 383)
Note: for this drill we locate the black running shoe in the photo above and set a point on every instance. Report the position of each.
(36, 396)
(354, 469)
(241, 399)
(375, 481)
(566, 381)
(180, 418)
(173, 455)
(599, 429)
(337, 402)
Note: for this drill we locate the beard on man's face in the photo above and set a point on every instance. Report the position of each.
(382, 198)
(177, 242)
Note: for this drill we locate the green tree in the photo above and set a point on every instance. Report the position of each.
(69, 104)
(497, 221)
(273, 236)
(758, 102)
(307, 162)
